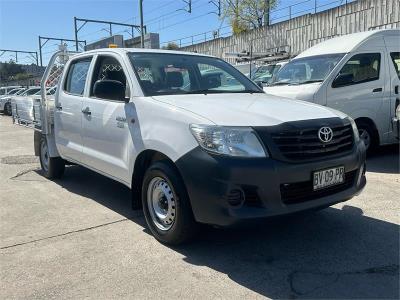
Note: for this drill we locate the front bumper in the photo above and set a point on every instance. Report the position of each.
(213, 183)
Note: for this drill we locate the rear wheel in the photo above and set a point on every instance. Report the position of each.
(8, 109)
(52, 167)
(166, 205)
(368, 135)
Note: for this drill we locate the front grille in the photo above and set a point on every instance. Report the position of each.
(304, 144)
(293, 193)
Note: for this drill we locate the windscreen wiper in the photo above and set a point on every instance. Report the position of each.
(307, 81)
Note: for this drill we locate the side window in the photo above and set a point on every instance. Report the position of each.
(359, 69)
(76, 77)
(108, 68)
(396, 61)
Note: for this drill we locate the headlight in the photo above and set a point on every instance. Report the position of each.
(355, 129)
(233, 141)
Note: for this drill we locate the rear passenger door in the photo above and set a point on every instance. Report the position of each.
(68, 106)
(106, 132)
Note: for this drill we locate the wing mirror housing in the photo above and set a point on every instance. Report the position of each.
(343, 80)
(109, 89)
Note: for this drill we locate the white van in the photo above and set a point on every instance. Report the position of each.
(357, 74)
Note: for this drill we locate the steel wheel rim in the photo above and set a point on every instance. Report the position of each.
(365, 137)
(44, 156)
(161, 203)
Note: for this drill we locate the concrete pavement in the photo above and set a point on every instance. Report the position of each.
(78, 238)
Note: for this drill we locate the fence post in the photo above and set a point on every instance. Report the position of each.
(315, 6)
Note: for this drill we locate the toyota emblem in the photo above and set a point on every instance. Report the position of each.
(325, 134)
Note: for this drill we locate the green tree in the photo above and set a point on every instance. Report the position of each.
(10, 69)
(247, 14)
(171, 46)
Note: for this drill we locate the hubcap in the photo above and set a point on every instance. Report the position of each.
(161, 203)
(44, 156)
(365, 136)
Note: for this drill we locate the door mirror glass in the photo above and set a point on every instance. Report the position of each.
(343, 80)
(109, 89)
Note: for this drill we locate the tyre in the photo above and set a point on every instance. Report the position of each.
(368, 135)
(52, 167)
(8, 109)
(166, 205)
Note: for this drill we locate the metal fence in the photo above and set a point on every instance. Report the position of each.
(277, 15)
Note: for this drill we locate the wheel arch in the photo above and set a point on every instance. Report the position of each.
(142, 162)
(371, 123)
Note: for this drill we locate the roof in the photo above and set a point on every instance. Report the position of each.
(346, 43)
(141, 50)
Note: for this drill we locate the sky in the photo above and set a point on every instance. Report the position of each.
(22, 21)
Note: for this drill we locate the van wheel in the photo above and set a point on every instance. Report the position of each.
(166, 205)
(368, 136)
(8, 109)
(52, 167)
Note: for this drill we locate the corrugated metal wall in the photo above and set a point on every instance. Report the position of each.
(298, 34)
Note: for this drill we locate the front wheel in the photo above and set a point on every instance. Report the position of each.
(52, 167)
(368, 136)
(166, 205)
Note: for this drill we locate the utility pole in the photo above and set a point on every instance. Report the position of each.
(141, 23)
(46, 39)
(33, 54)
(85, 21)
(189, 3)
(217, 4)
(266, 13)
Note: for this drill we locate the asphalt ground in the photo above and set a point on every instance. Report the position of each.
(78, 238)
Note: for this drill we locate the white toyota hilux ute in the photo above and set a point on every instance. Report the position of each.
(195, 140)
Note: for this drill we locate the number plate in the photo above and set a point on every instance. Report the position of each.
(329, 177)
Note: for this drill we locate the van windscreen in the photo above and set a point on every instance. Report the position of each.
(307, 69)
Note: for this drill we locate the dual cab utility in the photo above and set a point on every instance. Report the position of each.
(195, 140)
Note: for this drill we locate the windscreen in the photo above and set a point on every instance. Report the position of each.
(13, 92)
(173, 74)
(265, 74)
(307, 70)
(31, 91)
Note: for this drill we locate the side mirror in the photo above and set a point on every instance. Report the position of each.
(211, 81)
(343, 80)
(109, 89)
(260, 84)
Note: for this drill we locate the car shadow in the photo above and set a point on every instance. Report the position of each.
(386, 159)
(335, 253)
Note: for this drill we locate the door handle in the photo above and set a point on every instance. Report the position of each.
(86, 111)
(396, 89)
(377, 90)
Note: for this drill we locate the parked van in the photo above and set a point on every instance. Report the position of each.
(357, 74)
(195, 139)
